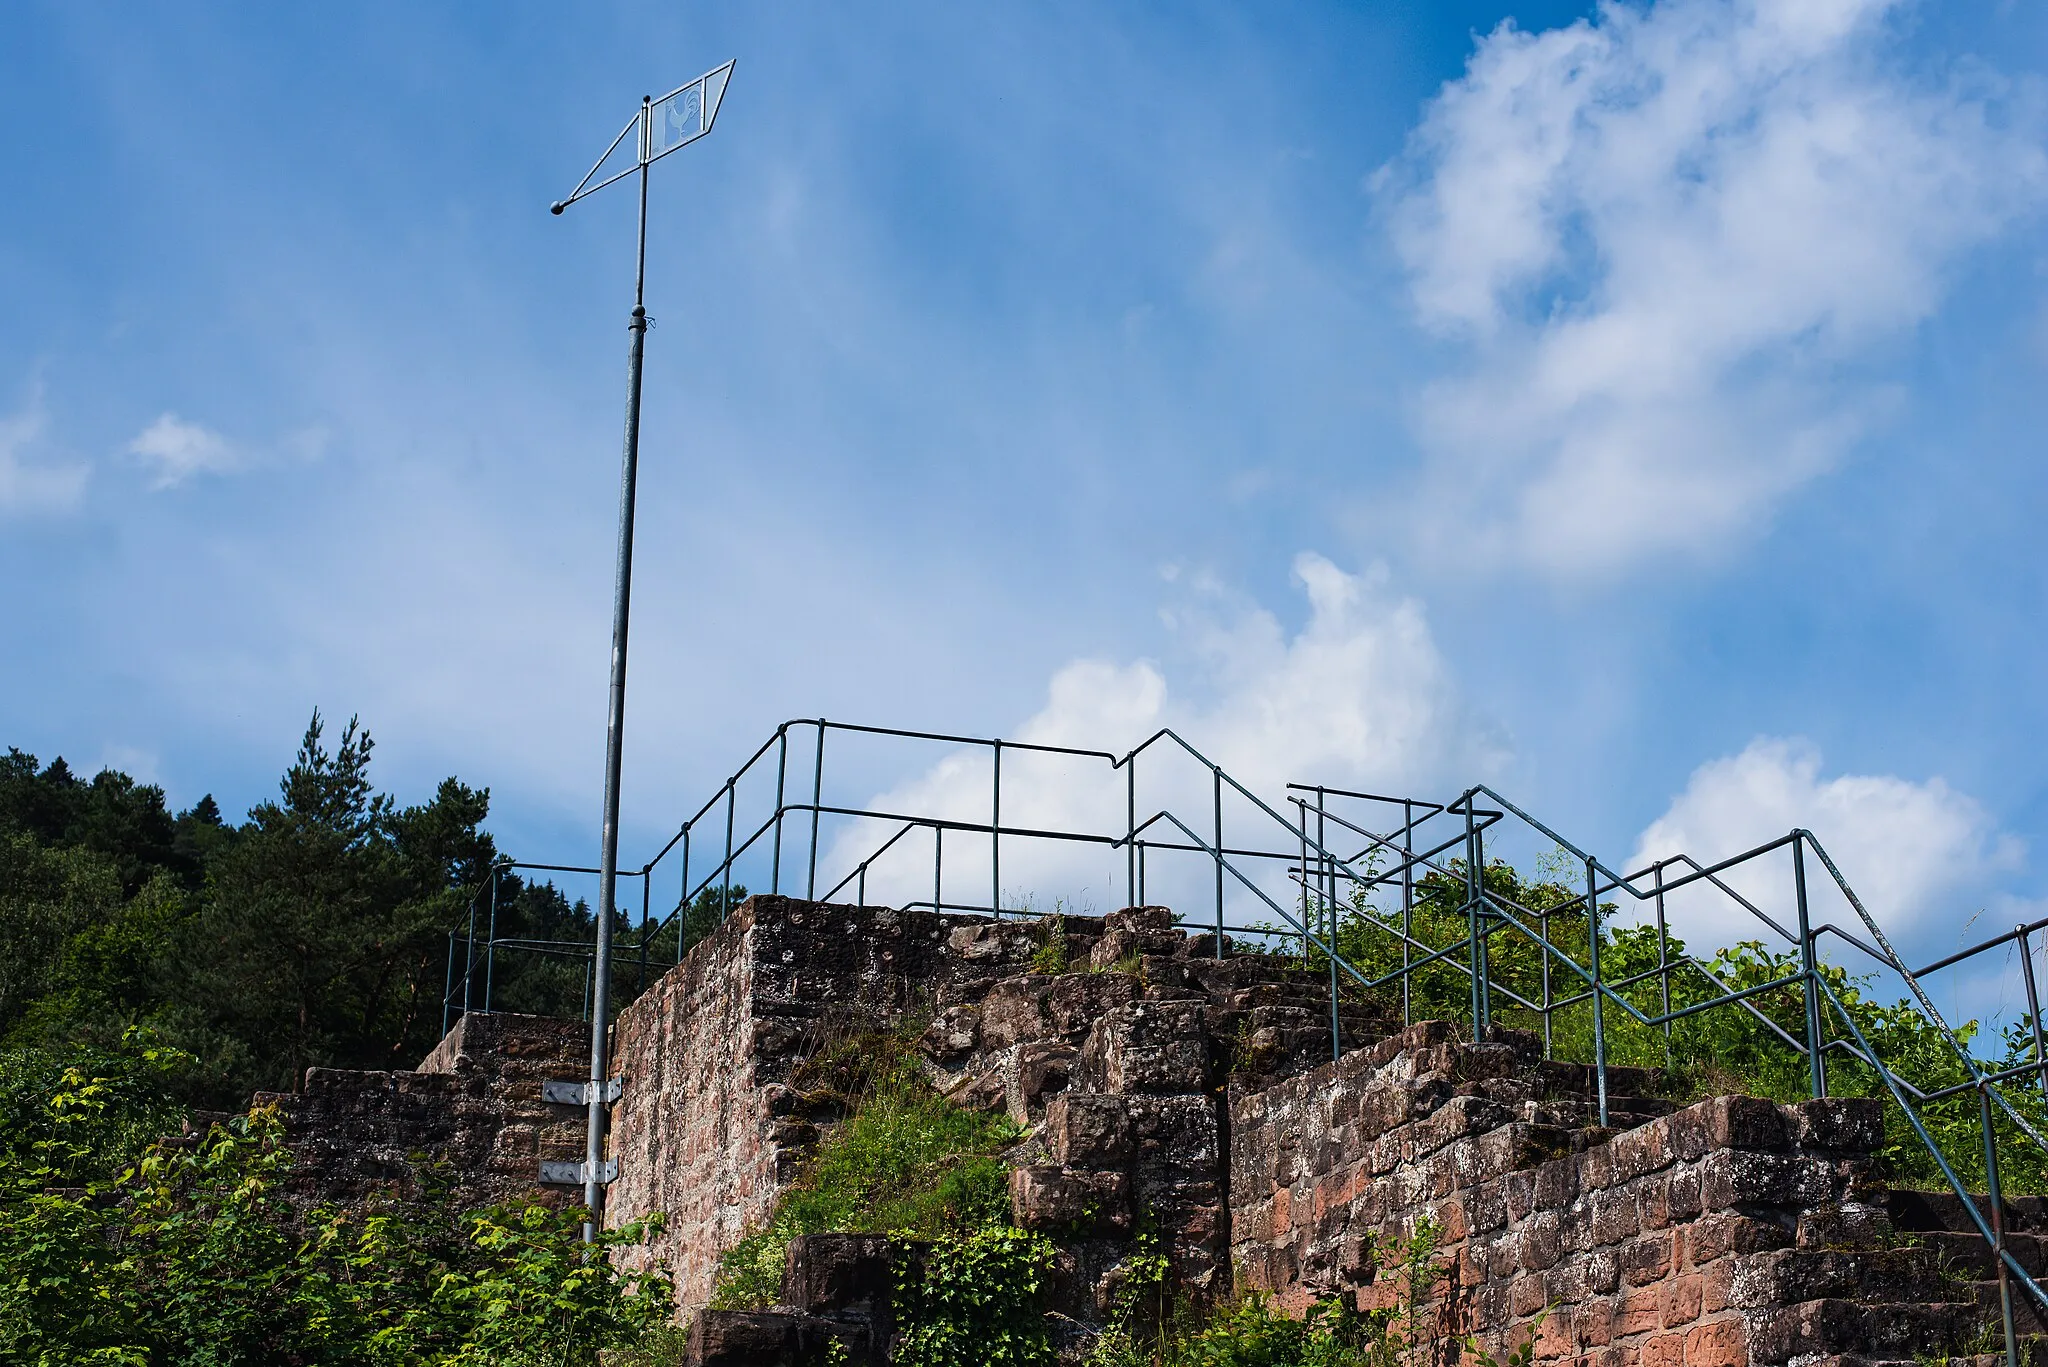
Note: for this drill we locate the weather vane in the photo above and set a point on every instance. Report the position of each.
(661, 126)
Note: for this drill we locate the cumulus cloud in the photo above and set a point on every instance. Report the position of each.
(1905, 847)
(1359, 697)
(1664, 238)
(179, 450)
(28, 485)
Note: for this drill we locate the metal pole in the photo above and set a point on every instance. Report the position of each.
(1472, 914)
(1816, 1067)
(1543, 951)
(469, 956)
(938, 866)
(614, 739)
(1997, 1221)
(995, 835)
(448, 984)
(1407, 904)
(1485, 944)
(725, 881)
(683, 903)
(491, 943)
(2033, 1005)
(1664, 962)
(817, 796)
(1301, 811)
(1216, 776)
(1593, 954)
(1131, 888)
(781, 774)
(646, 886)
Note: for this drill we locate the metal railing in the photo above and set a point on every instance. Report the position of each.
(1311, 879)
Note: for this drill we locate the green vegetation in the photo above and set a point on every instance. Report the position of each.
(904, 1161)
(151, 963)
(121, 1249)
(1724, 1049)
(1151, 1329)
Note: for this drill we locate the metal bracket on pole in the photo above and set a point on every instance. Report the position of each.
(576, 1174)
(578, 1093)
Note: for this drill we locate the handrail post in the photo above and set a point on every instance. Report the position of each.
(781, 779)
(995, 835)
(1216, 778)
(683, 903)
(1408, 908)
(2033, 1005)
(448, 985)
(1472, 915)
(817, 797)
(1816, 1066)
(646, 909)
(469, 956)
(1593, 952)
(1664, 961)
(938, 867)
(1485, 942)
(1543, 953)
(1131, 885)
(1301, 810)
(1997, 1221)
(725, 873)
(491, 943)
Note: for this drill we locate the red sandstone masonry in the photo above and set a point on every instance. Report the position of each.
(473, 1105)
(1683, 1242)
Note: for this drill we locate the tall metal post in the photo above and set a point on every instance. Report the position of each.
(995, 836)
(1472, 913)
(781, 775)
(1482, 920)
(1664, 962)
(491, 941)
(1131, 830)
(2034, 1007)
(1999, 1242)
(615, 721)
(1593, 958)
(1216, 775)
(817, 797)
(1810, 974)
(1407, 906)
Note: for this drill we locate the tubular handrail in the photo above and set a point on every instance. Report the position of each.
(1449, 870)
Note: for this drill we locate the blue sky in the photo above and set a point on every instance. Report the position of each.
(1639, 409)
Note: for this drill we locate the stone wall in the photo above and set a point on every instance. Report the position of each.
(709, 1129)
(473, 1108)
(1113, 1065)
(1162, 1089)
(1730, 1233)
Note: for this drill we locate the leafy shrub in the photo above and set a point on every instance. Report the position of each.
(976, 1300)
(192, 1256)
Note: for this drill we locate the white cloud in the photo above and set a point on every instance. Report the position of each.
(1906, 848)
(181, 449)
(1662, 236)
(1359, 697)
(32, 487)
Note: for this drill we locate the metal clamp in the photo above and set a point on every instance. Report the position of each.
(578, 1093)
(576, 1174)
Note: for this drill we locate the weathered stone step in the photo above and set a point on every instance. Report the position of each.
(1967, 1255)
(1792, 1275)
(1942, 1210)
(1885, 1331)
